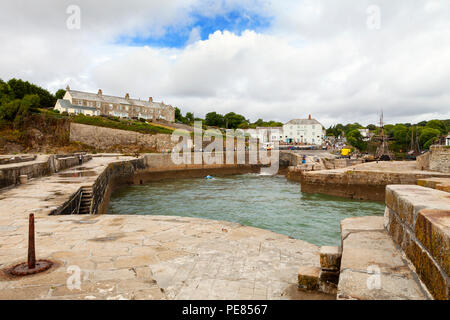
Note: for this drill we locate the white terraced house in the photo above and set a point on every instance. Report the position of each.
(77, 102)
(308, 131)
(266, 134)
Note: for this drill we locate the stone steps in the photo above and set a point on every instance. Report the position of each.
(86, 200)
(372, 267)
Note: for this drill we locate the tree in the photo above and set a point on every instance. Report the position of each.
(351, 127)
(372, 127)
(6, 93)
(60, 94)
(22, 88)
(9, 110)
(437, 124)
(233, 120)
(422, 124)
(189, 117)
(356, 139)
(178, 115)
(401, 137)
(17, 109)
(214, 119)
(244, 125)
(259, 123)
(428, 136)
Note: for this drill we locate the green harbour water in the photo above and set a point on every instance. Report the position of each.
(268, 202)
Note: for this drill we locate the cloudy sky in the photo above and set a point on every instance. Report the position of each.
(341, 61)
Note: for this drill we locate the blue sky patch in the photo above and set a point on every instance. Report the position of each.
(177, 37)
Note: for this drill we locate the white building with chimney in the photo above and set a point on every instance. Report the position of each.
(307, 131)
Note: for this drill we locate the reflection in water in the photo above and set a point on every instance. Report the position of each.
(267, 202)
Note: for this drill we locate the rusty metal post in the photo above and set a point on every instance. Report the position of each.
(31, 248)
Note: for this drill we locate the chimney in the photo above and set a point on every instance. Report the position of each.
(127, 96)
(150, 99)
(309, 117)
(100, 92)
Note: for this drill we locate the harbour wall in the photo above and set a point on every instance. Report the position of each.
(437, 159)
(358, 185)
(418, 220)
(42, 166)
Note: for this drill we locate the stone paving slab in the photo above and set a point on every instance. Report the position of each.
(372, 267)
(130, 261)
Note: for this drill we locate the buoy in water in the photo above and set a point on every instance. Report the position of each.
(209, 178)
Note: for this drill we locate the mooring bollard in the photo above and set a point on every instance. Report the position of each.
(31, 247)
(23, 179)
(31, 266)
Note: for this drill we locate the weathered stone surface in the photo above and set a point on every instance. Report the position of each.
(361, 224)
(327, 287)
(428, 271)
(355, 285)
(329, 276)
(330, 258)
(363, 250)
(433, 231)
(439, 158)
(368, 251)
(418, 220)
(442, 184)
(308, 278)
(407, 201)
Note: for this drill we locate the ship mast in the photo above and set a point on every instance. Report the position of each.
(383, 153)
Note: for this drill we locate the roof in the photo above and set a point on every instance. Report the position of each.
(117, 100)
(304, 121)
(269, 128)
(66, 104)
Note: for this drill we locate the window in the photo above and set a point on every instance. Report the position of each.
(110, 106)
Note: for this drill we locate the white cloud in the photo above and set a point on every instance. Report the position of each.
(318, 57)
(194, 35)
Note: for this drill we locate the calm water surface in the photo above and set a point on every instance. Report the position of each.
(267, 202)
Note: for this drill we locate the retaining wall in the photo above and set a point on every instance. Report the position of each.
(107, 138)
